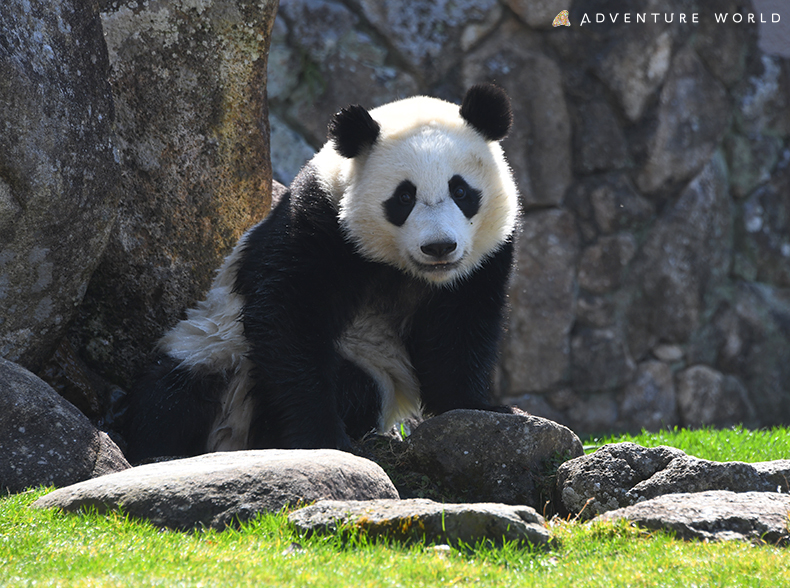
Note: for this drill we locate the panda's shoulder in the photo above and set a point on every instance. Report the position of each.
(301, 233)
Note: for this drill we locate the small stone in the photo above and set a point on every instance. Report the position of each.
(668, 353)
(624, 474)
(44, 439)
(465, 451)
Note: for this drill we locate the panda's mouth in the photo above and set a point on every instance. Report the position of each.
(437, 267)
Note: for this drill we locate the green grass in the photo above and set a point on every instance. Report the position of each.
(49, 548)
(735, 444)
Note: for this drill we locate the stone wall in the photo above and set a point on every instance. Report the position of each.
(653, 160)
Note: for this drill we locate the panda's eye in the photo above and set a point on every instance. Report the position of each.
(406, 197)
(398, 207)
(465, 197)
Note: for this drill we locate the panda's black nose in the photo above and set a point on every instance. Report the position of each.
(439, 249)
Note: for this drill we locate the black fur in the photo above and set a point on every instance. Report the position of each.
(398, 207)
(171, 410)
(303, 282)
(352, 130)
(487, 108)
(455, 337)
(466, 197)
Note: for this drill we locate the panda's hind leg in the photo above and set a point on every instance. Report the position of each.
(171, 411)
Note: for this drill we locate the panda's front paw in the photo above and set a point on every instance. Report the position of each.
(321, 438)
(344, 444)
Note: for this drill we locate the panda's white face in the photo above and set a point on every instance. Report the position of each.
(432, 197)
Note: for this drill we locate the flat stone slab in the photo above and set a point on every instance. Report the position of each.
(714, 515)
(419, 519)
(217, 489)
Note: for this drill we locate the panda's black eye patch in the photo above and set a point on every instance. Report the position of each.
(466, 197)
(398, 207)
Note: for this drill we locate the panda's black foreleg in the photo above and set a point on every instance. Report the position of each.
(454, 343)
(295, 392)
(296, 422)
(315, 420)
(171, 411)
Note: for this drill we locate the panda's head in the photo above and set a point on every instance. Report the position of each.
(422, 184)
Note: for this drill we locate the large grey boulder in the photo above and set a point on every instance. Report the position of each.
(624, 474)
(485, 456)
(217, 489)
(189, 81)
(714, 515)
(57, 169)
(425, 520)
(44, 440)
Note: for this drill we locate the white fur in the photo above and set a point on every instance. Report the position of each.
(426, 141)
(230, 430)
(211, 339)
(212, 336)
(375, 346)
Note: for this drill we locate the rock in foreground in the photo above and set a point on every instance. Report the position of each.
(714, 515)
(420, 519)
(623, 474)
(485, 456)
(217, 489)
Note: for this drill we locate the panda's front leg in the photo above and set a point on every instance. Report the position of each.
(454, 343)
(295, 394)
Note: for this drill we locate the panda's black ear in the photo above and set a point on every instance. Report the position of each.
(487, 108)
(353, 130)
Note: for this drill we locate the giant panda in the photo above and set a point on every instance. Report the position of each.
(373, 291)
